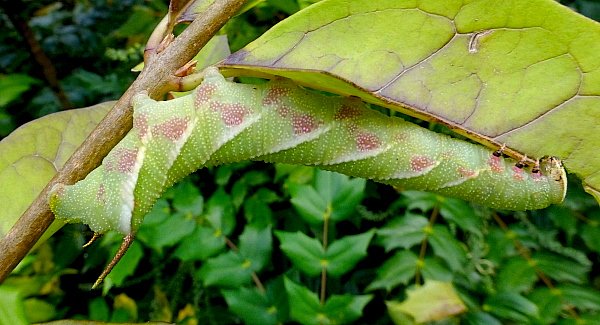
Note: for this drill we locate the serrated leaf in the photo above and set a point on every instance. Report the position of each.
(333, 196)
(344, 253)
(251, 305)
(511, 306)
(433, 301)
(516, 275)
(256, 246)
(564, 219)
(220, 214)
(423, 201)
(549, 303)
(338, 309)
(305, 253)
(435, 269)
(257, 211)
(507, 72)
(402, 232)
(188, 199)
(227, 270)
(583, 298)
(399, 269)
(447, 247)
(203, 243)
(480, 318)
(591, 236)
(308, 255)
(206, 238)
(561, 268)
(169, 232)
(31, 155)
(462, 214)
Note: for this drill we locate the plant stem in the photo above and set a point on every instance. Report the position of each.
(255, 277)
(155, 78)
(423, 250)
(323, 292)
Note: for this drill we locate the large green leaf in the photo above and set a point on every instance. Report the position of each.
(525, 73)
(31, 155)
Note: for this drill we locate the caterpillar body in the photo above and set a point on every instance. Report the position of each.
(223, 122)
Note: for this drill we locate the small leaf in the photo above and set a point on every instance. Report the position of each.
(304, 304)
(206, 238)
(13, 85)
(423, 201)
(256, 246)
(220, 214)
(308, 254)
(305, 253)
(344, 253)
(399, 269)
(332, 196)
(590, 235)
(257, 211)
(561, 268)
(99, 310)
(251, 305)
(188, 199)
(434, 269)
(480, 318)
(338, 309)
(343, 309)
(169, 232)
(228, 270)
(447, 247)
(549, 303)
(563, 218)
(583, 298)
(462, 214)
(511, 306)
(516, 275)
(203, 243)
(402, 232)
(11, 306)
(433, 301)
(38, 310)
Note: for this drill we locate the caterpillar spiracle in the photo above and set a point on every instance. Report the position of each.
(223, 122)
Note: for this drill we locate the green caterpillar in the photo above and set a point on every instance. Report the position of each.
(224, 122)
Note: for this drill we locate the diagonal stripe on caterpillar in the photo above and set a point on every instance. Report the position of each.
(223, 122)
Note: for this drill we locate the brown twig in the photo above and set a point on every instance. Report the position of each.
(155, 78)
